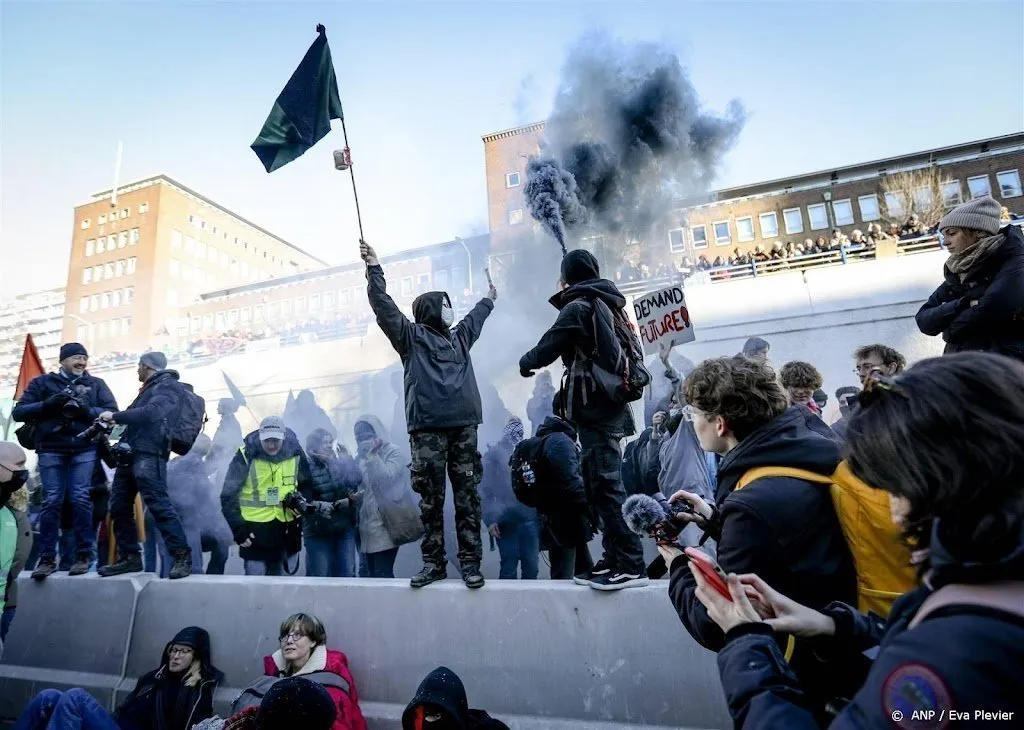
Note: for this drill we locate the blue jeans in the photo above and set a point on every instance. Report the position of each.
(331, 556)
(382, 564)
(519, 545)
(61, 474)
(75, 709)
(269, 567)
(146, 475)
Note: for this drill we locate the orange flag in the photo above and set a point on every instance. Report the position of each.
(31, 367)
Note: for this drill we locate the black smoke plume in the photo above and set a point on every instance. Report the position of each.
(626, 140)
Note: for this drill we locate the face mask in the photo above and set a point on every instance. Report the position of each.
(447, 315)
(366, 445)
(675, 413)
(18, 479)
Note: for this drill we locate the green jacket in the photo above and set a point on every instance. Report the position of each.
(8, 544)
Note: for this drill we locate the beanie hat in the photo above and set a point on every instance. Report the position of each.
(981, 214)
(71, 349)
(514, 430)
(295, 702)
(579, 265)
(154, 360)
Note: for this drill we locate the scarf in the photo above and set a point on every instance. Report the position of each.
(964, 262)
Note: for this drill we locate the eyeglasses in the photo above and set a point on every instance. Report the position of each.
(292, 636)
(867, 368)
(179, 650)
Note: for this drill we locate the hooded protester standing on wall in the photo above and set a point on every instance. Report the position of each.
(443, 411)
(512, 524)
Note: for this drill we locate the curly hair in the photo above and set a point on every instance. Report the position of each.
(799, 374)
(742, 391)
(886, 354)
(960, 465)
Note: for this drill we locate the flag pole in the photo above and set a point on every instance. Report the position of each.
(343, 161)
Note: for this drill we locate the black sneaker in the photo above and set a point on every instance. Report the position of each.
(45, 568)
(131, 563)
(472, 576)
(182, 565)
(617, 580)
(601, 568)
(429, 574)
(80, 566)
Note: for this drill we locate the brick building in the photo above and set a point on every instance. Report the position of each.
(138, 257)
(784, 210)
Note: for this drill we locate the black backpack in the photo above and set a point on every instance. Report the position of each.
(524, 464)
(616, 365)
(185, 425)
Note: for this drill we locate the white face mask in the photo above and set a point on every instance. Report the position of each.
(447, 315)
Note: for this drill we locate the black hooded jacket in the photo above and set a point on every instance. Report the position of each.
(961, 656)
(985, 311)
(440, 385)
(442, 690)
(559, 470)
(162, 701)
(271, 539)
(574, 330)
(146, 418)
(783, 529)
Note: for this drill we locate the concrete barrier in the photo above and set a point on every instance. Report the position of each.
(68, 632)
(542, 654)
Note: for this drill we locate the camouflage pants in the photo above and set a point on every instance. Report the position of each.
(432, 451)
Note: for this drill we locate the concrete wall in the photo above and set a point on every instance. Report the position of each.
(538, 655)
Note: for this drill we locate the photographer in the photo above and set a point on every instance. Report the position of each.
(142, 454)
(259, 497)
(331, 541)
(57, 407)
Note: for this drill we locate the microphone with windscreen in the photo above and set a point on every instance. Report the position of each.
(653, 517)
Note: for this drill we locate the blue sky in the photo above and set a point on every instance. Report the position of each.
(186, 87)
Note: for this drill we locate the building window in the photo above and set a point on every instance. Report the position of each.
(894, 205)
(515, 217)
(200, 250)
(923, 198)
(134, 236)
(211, 254)
(699, 236)
(207, 322)
(124, 212)
(143, 208)
(979, 186)
(190, 244)
(441, 279)
(345, 297)
(722, 234)
(244, 315)
(94, 302)
(869, 208)
(512, 180)
(300, 305)
(105, 300)
(273, 310)
(186, 272)
(328, 300)
(406, 286)
(130, 266)
(83, 305)
(233, 317)
(423, 282)
(286, 307)
(102, 219)
(951, 193)
(108, 271)
(175, 240)
(676, 240)
(119, 267)
(769, 225)
(126, 325)
(245, 270)
(221, 321)
(1009, 183)
(90, 247)
(83, 333)
(97, 273)
(86, 223)
(115, 298)
(215, 230)
(101, 245)
(101, 331)
(843, 211)
(818, 216)
(175, 268)
(224, 260)
(122, 239)
(257, 313)
(794, 220)
(745, 229)
(111, 242)
(129, 293)
(314, 303)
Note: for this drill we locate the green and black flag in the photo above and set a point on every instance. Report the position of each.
(302, 114)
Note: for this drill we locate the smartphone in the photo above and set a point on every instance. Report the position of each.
(709, 570)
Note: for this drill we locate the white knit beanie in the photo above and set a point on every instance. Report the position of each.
(981, 214)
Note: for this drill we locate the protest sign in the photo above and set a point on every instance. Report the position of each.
(663, 319)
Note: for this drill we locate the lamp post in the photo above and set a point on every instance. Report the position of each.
(829, 218)
(90, 325)
(469, 260)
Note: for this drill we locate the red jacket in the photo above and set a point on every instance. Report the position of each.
(323, 663)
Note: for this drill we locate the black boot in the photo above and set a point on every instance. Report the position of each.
(429, 574)
(45, 568)
(182, 565)
(472, 576)
(130, 563)
(81, 564)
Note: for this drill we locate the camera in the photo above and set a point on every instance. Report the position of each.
(72, 407)
(296, 502)
(97, 430)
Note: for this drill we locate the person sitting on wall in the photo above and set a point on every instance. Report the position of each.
(176, 696)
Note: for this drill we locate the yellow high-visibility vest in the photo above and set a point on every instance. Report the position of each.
(266, 487)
